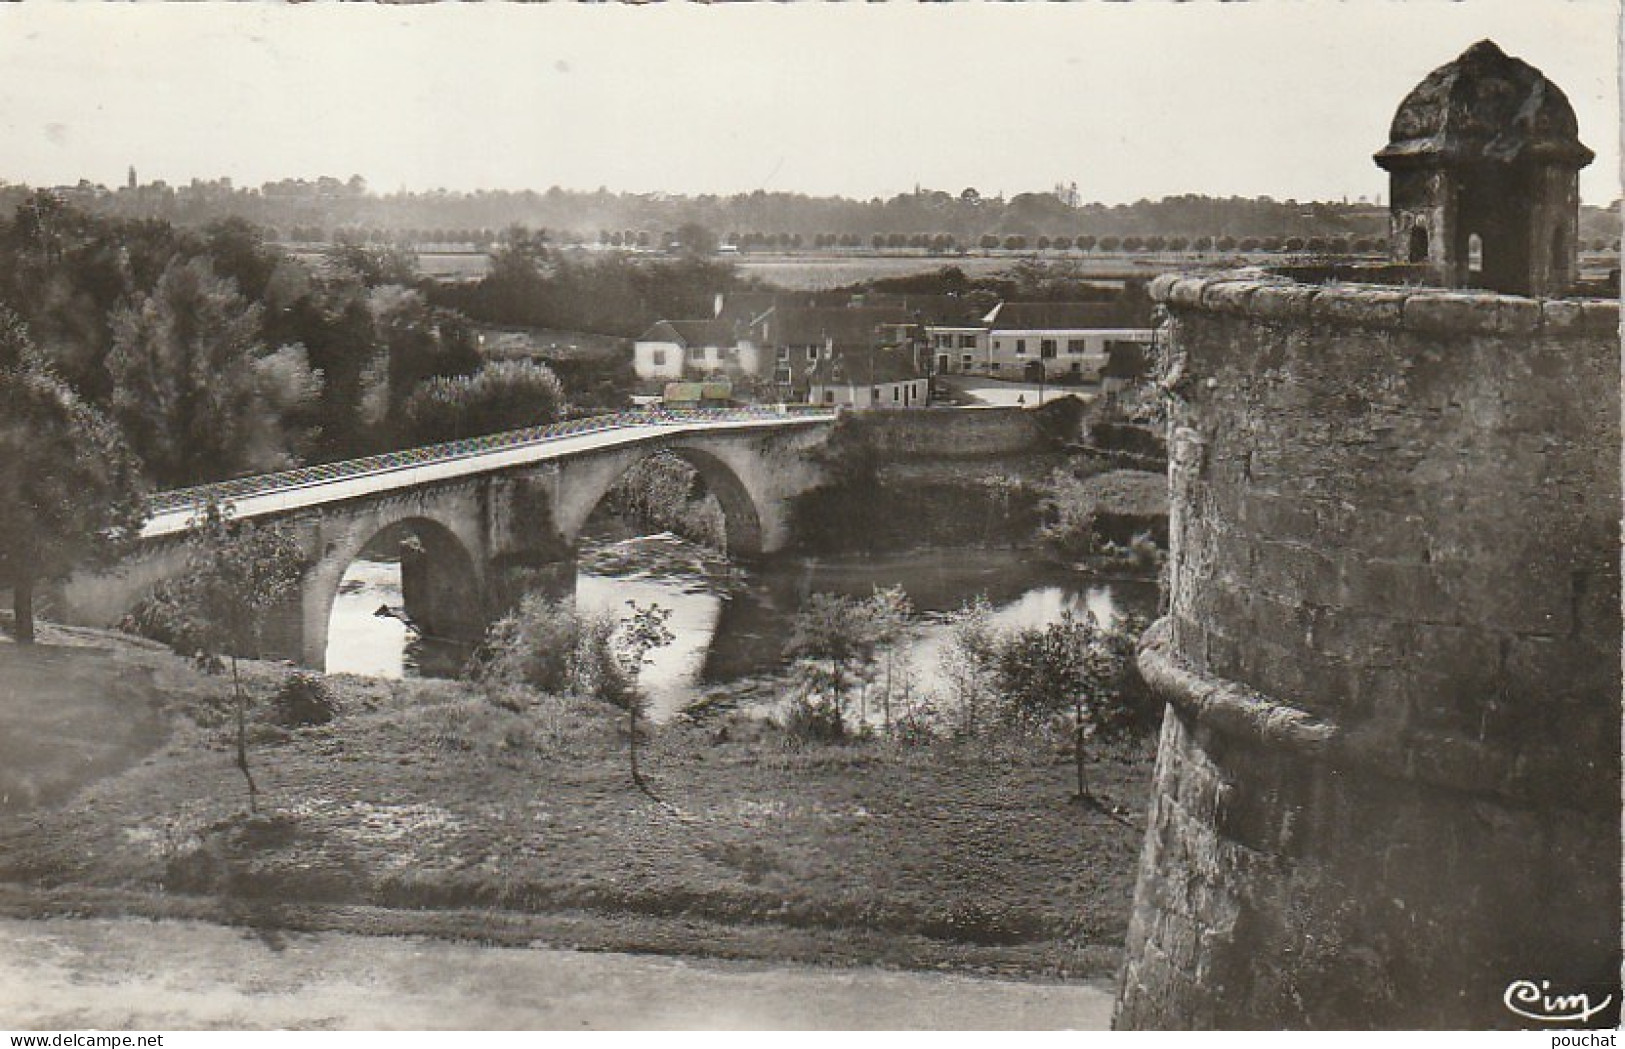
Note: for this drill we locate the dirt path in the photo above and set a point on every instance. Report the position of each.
(132, 974)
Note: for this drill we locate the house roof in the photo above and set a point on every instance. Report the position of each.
(691, 333)
(1058, 316)
(866, 368)
(853, 327)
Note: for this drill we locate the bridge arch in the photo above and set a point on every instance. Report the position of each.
(443, 577)
(743, 509)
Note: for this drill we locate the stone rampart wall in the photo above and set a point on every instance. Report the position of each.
(1389, 779)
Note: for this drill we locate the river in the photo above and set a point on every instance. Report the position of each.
(731, 624)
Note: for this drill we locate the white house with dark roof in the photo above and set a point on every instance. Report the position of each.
(696, 349)
(871, 378)
(1067, 338)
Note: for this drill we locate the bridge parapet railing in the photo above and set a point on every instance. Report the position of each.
(303, 476)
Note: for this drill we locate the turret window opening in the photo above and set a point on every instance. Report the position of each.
(1419, 244)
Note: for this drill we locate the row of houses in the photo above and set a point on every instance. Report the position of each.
(883, 350)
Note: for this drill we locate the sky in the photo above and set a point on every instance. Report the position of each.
(1286, 98)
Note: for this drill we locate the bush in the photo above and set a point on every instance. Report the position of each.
(1059, 421)
(916, 726)
(502, 395)
(303, 700)
(664, 491)
(810, 720)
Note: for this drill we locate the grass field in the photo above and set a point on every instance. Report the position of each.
(426, 808)
(816, 273)
(810, 272)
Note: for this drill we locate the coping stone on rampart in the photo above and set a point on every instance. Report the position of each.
(1228, 296)
(1431, 310)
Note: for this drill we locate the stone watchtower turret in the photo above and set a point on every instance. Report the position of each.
(1484, 158)
(1387, 788)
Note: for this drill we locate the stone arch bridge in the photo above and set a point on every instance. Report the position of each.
(487, 517)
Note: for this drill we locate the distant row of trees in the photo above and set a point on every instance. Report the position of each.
(298, 207)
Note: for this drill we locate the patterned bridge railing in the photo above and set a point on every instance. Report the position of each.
(471, 447)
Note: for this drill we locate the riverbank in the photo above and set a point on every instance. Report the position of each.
(424, 808)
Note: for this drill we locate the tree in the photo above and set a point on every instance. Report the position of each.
(502, 395)
(373, 266)
(891, 618)
(69, 491)
(188, 389)
(837, 643)
(236, 573)
(637, 635)
(1068, 666)
(695, 239)
(968, 661)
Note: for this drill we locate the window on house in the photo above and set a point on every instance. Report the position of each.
(1046, 348)
(1021, 347)
(812, 353)
(784, 353)
(894, 392)
(1076, 345)
(695, 353)
(967, 342)
(966, 360)
(1077, 367)
(659, 358)
(829, 396)
(995, 366)
(945, 340)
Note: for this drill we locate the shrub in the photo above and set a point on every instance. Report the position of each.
(502, 395)
(916, 726)
(1144, 553)
(814, 720)
(303, 700)
(664, 491)
(549, 646)
(1059, 421)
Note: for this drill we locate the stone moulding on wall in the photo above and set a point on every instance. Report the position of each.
(1426, 310)
(1232, 709)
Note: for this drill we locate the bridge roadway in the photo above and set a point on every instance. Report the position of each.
(175, 510)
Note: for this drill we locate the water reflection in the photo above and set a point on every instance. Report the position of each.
(361, 641)
(730, 626)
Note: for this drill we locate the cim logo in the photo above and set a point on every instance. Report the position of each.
(1533, 1002)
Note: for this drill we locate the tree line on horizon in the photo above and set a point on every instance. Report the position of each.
(324, 209)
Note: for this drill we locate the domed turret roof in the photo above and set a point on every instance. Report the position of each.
(1484, 106)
